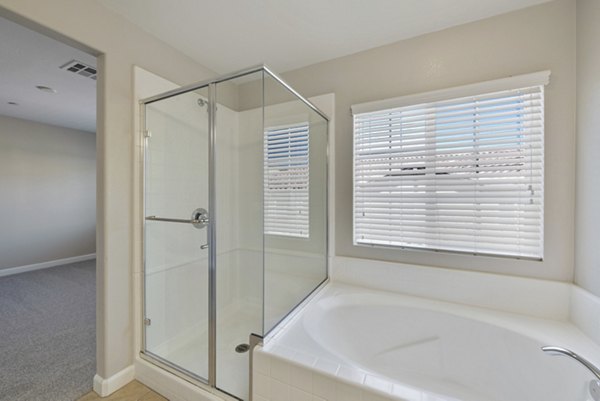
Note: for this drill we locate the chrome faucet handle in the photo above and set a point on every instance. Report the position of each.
(567, 352)
(594, 384)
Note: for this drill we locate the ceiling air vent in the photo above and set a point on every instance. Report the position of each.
(80, 68)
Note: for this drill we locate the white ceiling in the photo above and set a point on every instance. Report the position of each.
(224, 35)
(28, 59)
(227, 35)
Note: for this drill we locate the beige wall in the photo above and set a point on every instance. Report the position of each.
(48, 192)
(533, 39)
(529, 40)
(120, 45)
(587, 248)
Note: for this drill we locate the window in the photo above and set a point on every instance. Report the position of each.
(286, 181)
(457, 173)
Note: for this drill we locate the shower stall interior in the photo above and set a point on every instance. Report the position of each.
(235, 220)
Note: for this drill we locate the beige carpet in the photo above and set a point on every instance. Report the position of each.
(48, 333)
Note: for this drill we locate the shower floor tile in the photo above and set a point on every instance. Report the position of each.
(232, 367)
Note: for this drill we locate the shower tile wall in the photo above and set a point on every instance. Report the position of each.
(175, 186)
(177, 269)
(176, 266)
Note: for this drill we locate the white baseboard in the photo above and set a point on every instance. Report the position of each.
(105, 387)
(43, 265)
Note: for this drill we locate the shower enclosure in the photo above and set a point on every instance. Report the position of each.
(235, 220)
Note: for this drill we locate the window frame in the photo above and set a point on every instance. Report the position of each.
(479, 89)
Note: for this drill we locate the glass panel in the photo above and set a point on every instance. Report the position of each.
(176, 265)
(270, 221)
(295, 196)
(239, 163)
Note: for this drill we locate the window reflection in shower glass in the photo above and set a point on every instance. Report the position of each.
(286, 172)
(295, 263)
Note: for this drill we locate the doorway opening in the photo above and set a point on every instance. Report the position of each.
(48, 215)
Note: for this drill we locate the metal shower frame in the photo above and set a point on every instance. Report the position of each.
(210, 84)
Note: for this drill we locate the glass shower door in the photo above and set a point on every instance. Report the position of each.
(176, 252)
(250, 151)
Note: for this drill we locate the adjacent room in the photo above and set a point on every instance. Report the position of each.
(48, 217)
(326, 200)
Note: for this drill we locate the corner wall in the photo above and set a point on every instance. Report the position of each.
(587, 236)
(48, 202)
(529, 40)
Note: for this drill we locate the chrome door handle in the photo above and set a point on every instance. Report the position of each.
(155, 218)
(199, 218)
(205, 246)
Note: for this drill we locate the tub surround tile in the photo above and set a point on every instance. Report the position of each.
(262, 385)
(283, 373)
(347, 392)
(323, 386)
(303, 383)
(294, 373)
(280, 370)
(585, 312)
(300, 395)
(301, 377)
(527, 296)
(262, 364)
(280, 391)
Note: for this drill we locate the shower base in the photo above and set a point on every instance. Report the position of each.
(232, 366)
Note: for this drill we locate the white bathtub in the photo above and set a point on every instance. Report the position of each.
(407, 348)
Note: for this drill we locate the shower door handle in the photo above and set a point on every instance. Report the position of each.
(156, 218)
(199, 218)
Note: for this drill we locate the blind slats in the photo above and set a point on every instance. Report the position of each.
(286, 180)
(461, 175)
(378, 220)
(392, 138)
(463, 120)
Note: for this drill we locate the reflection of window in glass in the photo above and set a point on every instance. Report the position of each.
(461, 175)
(286, 181)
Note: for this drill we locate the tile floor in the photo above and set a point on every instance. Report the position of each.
(134, 391)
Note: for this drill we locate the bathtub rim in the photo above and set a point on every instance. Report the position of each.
(564, 333)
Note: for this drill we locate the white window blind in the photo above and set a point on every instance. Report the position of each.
(461, 174)
(286, 180)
